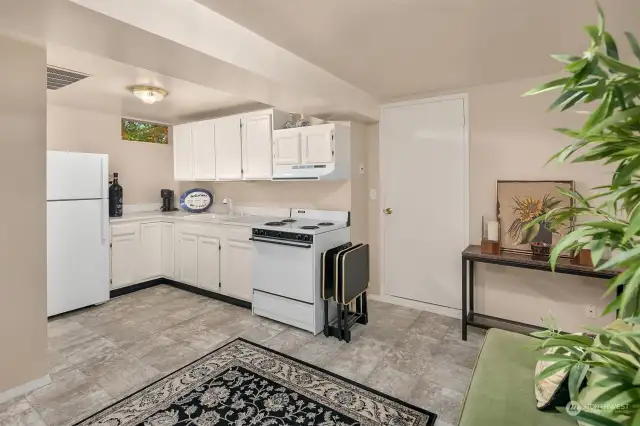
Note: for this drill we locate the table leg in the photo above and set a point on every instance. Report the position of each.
(464, 299)
(471, 285)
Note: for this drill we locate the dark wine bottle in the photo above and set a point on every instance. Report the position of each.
(115, 198)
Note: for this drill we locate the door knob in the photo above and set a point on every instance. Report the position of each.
(388, 210)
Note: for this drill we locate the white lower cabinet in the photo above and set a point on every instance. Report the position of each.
(187, 259)
(212, 257)
(168, 252)
(150, 252)
(236, 262)
(125, 240)
(209, 263)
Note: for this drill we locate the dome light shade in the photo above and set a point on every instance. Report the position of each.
(148, 94)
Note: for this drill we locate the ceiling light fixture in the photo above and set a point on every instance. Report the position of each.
(148, 94)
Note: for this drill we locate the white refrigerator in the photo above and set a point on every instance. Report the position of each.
(77, 230)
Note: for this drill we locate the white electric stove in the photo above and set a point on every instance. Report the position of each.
(287, 265)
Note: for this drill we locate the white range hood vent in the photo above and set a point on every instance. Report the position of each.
(60, 77)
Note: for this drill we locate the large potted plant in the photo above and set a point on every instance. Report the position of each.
(604, 371)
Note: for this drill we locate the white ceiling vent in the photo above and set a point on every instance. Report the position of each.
(60, 77)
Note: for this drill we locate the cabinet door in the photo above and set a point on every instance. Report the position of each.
(168, 252)
(209, 263)
(287, 149)
(228, 148)
(257, 144)
(237, 280)
(150, 251)
(125, 241)
(317, 145)
(203, 141)
(188, 259)
(182, 152)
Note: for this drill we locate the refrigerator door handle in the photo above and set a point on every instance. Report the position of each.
(104, 229)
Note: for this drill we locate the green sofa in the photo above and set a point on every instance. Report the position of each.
(501, 389)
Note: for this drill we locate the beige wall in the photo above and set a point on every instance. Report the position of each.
(511, 138)
(23, 311)
(143, 168)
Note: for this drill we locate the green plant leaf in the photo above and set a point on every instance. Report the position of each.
(547, 86)
(618, 66)
(610, 44)
(620, 259)
(595, 33)
(529, 233)
(577, 375)
(553, 369)
(634, 44)
(567, 242)
(566, 59)
(595, 419)
(631, 113)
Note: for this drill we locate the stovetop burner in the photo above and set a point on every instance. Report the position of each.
(326, 224)
(275, 224)
(289, 220)
(309, 227)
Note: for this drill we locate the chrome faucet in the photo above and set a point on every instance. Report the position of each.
(229, 202)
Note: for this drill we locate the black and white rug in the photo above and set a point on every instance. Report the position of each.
(244, 384)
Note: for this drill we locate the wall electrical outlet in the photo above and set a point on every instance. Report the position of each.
(591, 311)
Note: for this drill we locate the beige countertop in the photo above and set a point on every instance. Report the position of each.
(246, 220)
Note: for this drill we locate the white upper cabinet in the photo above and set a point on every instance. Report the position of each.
(228, 148)
(287, 148)
(204, 152)
(317, 145)
(182, 152)
(256, 147)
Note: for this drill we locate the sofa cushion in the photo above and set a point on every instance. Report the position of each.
(501, 391)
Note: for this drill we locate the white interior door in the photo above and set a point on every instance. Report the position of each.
(424, 179)
(77, 254)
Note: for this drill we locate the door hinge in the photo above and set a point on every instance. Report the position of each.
(219, 285)
(110, 281)
(110, 245)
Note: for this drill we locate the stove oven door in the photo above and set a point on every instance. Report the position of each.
(284, 268)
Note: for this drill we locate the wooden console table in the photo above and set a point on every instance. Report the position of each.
(472, 254)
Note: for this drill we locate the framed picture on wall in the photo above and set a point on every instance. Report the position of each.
(519, 203)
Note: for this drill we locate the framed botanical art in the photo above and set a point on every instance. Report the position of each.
(519, 203)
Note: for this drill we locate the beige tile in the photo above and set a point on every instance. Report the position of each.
(319, 350)
(356, 360)
(13, 407)
(70, 396)
(29, 417)
(85, 349)
(262, 332)
(448, 375)
(289, 340)
(196, 335)
(163, 353)
(440, 400)
(119, 373)
(392, 382)
(123, 332)
(406, 361)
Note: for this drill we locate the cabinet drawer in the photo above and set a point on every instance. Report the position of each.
(288, 311)
(200, 230)
(124, 229)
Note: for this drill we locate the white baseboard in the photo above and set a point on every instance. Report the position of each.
(24, 388)
(421, 306)
(135, 208)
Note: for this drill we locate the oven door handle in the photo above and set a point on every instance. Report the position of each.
(282, 243)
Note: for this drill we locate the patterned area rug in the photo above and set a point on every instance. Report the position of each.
(244, 384)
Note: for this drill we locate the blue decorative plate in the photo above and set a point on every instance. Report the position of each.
(196, 200)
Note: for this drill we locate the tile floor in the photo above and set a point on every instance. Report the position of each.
(101, 354)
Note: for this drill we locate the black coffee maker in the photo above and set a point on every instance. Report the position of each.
(167, 200)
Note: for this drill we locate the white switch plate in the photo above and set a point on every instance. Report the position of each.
(373, 194)
(361, 169)
(591, 311)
